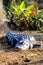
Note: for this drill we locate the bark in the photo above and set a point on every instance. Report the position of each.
(2, 12)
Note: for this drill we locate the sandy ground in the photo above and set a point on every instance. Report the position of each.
(11, 56)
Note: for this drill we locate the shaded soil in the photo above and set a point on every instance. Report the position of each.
(11, 56)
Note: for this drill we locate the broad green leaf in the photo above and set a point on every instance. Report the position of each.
(39, 11)
(15, 9)
(29, 8)
(22, 5)
(27, 13)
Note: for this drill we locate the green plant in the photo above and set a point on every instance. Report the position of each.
(27, 17)
(18, 9)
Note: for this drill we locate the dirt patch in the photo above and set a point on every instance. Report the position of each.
(11, 56)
